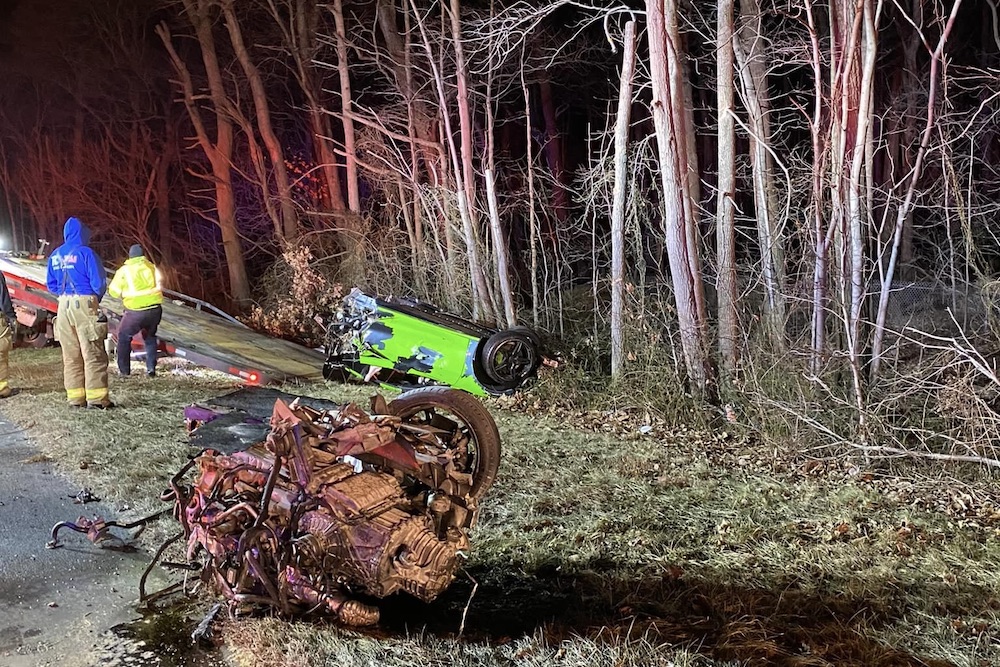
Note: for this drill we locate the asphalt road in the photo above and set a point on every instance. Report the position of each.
(59, 606)
(56, 605)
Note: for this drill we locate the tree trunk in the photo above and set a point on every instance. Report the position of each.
(421, 126)
(846, 21)
(470, 221)
(481, 303)
(346, 108)
(289, 220)
(681, 89)
(300, 32)
(496, 229)
(218, 152)
(906, 206)
(725, 229)
(622, 121)
(500, 251)
(820, 233)
(532, 217)
(333, 196)
(259, 163)
(666, 72)
(750, 50)
(860, 222)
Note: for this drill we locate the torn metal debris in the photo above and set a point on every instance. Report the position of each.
(98, 531)
(339, 503)
(84, 496)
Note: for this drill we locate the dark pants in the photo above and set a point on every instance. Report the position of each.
(133, 322)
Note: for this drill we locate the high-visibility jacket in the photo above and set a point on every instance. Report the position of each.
(136, 285)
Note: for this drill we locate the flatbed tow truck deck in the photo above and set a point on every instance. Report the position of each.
(191, 329)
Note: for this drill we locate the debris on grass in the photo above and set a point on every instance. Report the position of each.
(339, 503)
(602, 549)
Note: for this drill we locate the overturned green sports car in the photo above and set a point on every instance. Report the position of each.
(408, 343)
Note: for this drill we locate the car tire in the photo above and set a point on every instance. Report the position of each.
(435, 404)
(510, 357)
(35, 338)
(530, 333)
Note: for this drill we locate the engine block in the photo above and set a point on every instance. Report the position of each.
(332, 504)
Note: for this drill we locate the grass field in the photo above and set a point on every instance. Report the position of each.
(607, 546)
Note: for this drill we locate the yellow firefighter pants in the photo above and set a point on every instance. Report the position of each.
(6, 341)
(85, 360)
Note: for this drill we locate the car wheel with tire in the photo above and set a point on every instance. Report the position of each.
(510, 357)
(462, 424)
(35, 338)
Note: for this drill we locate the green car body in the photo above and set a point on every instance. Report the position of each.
(403, 342)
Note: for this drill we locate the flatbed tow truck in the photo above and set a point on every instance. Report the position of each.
(191, 329)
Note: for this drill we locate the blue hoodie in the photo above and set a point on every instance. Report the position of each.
(74, 268)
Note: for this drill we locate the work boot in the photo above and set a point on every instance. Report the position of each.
(151, 374)
(74, 404)
(5, 392)
(104, 405)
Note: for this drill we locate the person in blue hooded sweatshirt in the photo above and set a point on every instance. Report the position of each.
(76, 274)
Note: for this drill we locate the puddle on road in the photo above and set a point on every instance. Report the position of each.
(161, 638)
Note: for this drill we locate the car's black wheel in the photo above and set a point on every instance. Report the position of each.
(466, 427)
(510, 357)
(35, 338)
(531, 334)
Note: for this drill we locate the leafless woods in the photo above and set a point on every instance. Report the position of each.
(705, 192)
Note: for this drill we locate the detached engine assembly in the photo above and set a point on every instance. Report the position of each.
(341, 502)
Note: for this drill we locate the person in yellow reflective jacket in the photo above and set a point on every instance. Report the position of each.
(138, 286)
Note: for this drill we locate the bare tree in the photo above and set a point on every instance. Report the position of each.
(346, 104)
(218, 151)
(905, 207)
(848, 131)
(468, 181)
(425, 150)
(502, 263)
(668, 117)
(287, 223)
(725, 222)
(820, 233)
(462, 165)
(751, 54)
(298, 21)
(622, 121)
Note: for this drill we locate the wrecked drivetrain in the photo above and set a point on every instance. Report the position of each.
(341, 502)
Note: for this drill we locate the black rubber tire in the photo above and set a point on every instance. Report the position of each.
(530, 333)
(35, 338)
(484, 439)
(510, 357)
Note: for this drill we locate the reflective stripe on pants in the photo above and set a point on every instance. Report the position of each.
(6, 341)
(85, 360)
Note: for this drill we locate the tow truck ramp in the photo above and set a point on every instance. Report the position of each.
(191, 329)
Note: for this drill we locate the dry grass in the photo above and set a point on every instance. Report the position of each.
(125, 452)
(594, 549)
